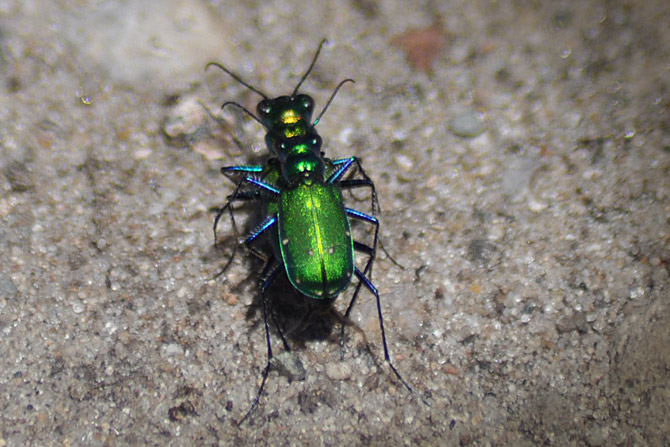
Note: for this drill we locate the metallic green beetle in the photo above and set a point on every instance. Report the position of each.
(305, 210)
(305, 218)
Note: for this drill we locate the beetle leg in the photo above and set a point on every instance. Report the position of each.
(267, 278)
(236, 196)
(373, 221)
(361, 277)
(343, 164)
(240, 195)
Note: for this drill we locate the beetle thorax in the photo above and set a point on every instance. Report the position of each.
(303, 167)
(300, 157)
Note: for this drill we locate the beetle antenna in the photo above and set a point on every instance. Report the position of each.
(311, 66)
(238, 78)
(331, 99)
(247, 111)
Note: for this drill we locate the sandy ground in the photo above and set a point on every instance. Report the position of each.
(521, 151)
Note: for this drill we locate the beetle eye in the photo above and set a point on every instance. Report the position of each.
(306, 102)
(264, 108)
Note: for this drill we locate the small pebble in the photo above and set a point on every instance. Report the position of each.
(142, 153)
(78, 307)
(403, 162)
(7, 286)
(596, 437)
(173, 349)
(19, 176)
(290, 366)
(185, 118)
(338, 370)
(467, 124)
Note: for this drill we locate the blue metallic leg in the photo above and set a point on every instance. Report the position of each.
(268, 276)
(361, 277)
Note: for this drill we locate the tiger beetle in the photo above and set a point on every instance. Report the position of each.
(304, 216)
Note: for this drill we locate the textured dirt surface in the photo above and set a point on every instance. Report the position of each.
(521, 151)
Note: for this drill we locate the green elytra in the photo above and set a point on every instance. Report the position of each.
(305, 218)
